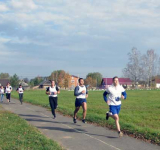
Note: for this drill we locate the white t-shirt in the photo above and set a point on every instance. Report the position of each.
(82, 88)
(20, 90)
(115, 93)
(8, 89)
(52, 90)
(1, 91)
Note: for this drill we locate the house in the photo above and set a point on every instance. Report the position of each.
(45, 84)
(108, 81)
(24, 84)
(4, 82)
(73, 81)
(157, 82)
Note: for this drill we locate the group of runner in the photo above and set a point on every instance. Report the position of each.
(115, 93)
(8, 89)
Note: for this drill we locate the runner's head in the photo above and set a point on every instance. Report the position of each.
(115, 81)
(81, 81)
(20, 86)
(52, 83)
(8, 84)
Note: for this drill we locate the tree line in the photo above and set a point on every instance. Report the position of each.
(62, 79)
(142, 68)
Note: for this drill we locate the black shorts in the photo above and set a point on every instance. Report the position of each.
(8, 96)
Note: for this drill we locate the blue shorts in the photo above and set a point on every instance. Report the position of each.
(79, 101)
(115, 109)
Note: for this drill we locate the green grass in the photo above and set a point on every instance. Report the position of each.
(140, 113)
(17, 134)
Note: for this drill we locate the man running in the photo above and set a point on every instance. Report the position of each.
(52, 91)
(8, 91)
(115, 93)
(2, 93)
(20, 90)
(81, 94)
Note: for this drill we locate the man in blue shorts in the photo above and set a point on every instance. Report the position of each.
(81, 94)
(115, 93)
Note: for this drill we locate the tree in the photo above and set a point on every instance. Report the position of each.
(61, 78)
(4, 76)
(67, 81)
(36, 81)
(90, 81)
(134, 68)
(14, 80)
(96, 78)
(150, 62)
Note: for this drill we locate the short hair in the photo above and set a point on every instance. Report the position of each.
(114, 78)
(80, 79)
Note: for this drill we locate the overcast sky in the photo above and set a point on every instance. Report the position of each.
(78, 36)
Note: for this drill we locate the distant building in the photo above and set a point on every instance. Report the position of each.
(4, 82)
(45, 84)
(24, 84)
(73, 81)
(108, 81)
(157, 82)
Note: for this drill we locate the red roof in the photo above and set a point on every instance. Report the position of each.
(108, 81)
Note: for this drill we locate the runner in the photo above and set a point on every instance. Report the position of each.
(81, 94)
(8, 91)
(20, 90)
(52, 91)
(2, 93)
(115, 93)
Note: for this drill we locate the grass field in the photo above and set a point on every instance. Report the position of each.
(17, 134)
(139, 116)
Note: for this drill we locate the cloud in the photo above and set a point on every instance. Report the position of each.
(23, 5)
(3, 8)
(77, 33)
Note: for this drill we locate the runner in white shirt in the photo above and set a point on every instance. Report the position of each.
(81, 94)
(52, 91)
(2, 93)
(115, 93)
(8, 91)
(20, 90)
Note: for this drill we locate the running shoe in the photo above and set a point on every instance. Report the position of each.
(84, 121)
(120, 133)
(107, 115)
(74, 120)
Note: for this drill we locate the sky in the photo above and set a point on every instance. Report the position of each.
(78, 36)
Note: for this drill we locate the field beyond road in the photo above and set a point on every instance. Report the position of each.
(139, 116)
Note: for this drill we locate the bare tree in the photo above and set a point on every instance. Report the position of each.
(158, 67)
(134, 69)
(150, 65)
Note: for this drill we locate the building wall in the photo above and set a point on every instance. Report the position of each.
(158, 85)
(73, 82)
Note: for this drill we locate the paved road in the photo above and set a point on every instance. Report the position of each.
(75, 136)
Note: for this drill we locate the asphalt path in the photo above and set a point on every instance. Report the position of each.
(72, 136)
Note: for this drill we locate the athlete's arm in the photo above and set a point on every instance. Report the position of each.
(58, 91)
(105, 96)
(86, 93)
(17, 90)
(11, 89)
(124, 95)
(76, 91)
(47, 91)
